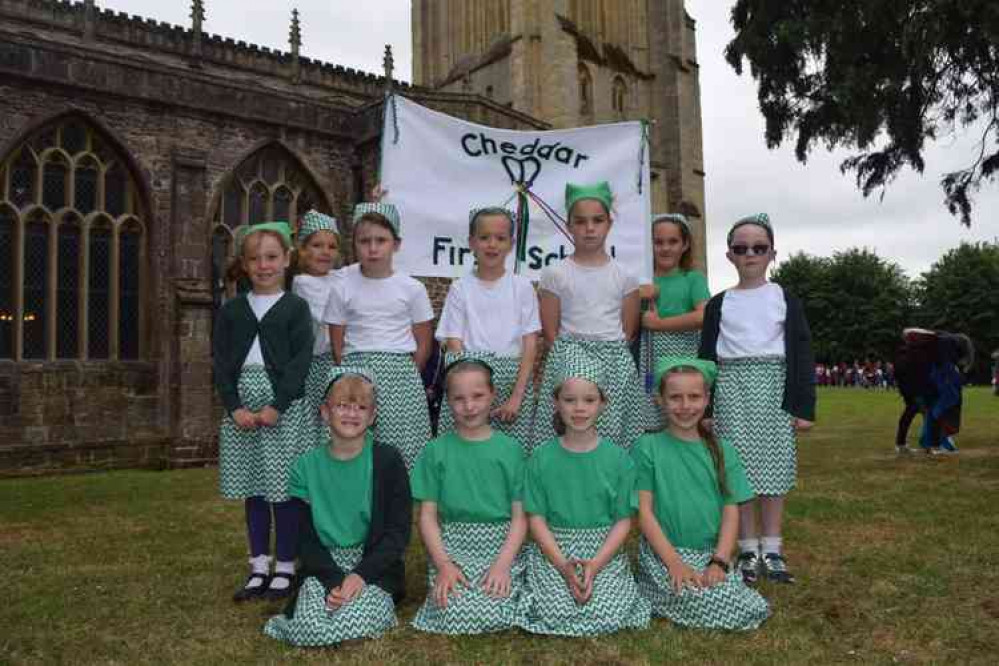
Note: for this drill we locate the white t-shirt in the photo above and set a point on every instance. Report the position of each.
(752, 322)
(315, 289)
(590, 298)
(490, 316)
(261, 305)
(379, 313)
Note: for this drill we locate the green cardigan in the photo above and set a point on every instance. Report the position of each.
(286, 341)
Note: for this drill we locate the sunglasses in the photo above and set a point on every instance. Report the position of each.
(753, 251)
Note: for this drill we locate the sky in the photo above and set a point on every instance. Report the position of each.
(814, 208)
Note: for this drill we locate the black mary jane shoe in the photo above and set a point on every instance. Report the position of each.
(271, 594)
(247, 593)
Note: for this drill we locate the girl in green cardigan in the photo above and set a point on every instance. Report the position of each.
(262, 347)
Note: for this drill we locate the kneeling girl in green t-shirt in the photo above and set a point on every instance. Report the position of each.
(577, 493)
(471, 520)
(356, 517)
(689, 488)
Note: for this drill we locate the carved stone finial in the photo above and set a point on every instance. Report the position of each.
(295, 36)
(89, 19)
(197, 15)
(295, 39)
(197, 28)
(388, 63)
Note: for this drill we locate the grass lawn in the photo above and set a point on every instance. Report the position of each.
(896, 560)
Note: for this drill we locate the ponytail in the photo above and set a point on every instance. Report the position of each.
(717, 456)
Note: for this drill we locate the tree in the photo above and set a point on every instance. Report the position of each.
(960, 294)
(857, 303)
(879, 77)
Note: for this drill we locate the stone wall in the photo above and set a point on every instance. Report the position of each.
(182, 129)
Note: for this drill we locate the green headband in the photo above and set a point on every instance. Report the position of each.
(708, 369)
(314, 221)
(578, 363)
(388, 211)
(759, 219)
(280, 228)
(599, 191)
(672, 217)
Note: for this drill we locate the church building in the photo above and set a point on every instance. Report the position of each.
(131, 150)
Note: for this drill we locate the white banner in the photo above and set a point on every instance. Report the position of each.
(436, 168)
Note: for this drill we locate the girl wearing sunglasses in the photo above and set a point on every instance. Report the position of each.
(758, 335)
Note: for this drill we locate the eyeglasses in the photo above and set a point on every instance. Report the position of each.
(753, 251)
(347, 407)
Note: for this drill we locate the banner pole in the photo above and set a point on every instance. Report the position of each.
(523, 222)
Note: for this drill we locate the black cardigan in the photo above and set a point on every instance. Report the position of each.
(382, 563)
(286, 341)
(799, 381)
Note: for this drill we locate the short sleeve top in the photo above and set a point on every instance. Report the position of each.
(490, 316)
(579, 490)
(378, 313)
(680, 291)
(315, 289)
(338, 493)
(470, 481)
(684, 484)
(590, 297)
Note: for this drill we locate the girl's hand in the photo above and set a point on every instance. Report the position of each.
(245, 419)
(349, 590)
(709, 424)
(496, 582)
(650, 318)
(647, 292)
(802, 424)
(683, 576)
(572, 580)
(268, 416)
(590, 571)
(507, 412)
(712, 575)
(377, 193)
(449, 578)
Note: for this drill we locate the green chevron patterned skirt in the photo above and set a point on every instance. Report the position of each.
(547, 607)
(656, 345)
(402, 419)
(257, 462)
(315, 394)
(473, 547)
(628, 413)
(504, 378)
(369, 615)
(748, 415)
(731, 604)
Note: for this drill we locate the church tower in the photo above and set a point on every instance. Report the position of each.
(579, 62)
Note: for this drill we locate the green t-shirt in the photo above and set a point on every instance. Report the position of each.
(338, 492)
(592, 489)
(684, 485)
(470, 482)
(680, 291)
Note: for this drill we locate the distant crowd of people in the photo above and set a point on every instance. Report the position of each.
(868, 375)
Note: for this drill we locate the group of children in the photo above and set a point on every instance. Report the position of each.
(327, 429)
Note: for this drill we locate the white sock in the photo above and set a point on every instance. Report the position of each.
(278, 583)
(261, 564)
(749, 546)
(771, 544)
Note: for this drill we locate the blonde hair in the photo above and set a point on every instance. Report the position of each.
(352, 389)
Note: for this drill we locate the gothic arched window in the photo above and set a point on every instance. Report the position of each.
(619, 96)
(585, 92)
(71, 248)
(270, 184)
